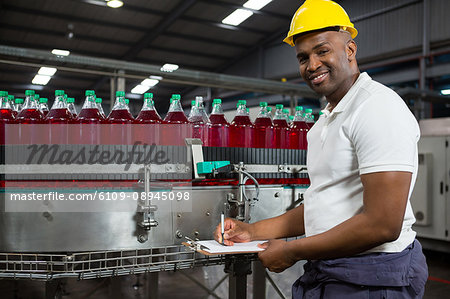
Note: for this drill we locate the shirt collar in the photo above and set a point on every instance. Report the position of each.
(363, 77)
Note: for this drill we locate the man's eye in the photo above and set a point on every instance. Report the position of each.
(322, 52)
(302, 60)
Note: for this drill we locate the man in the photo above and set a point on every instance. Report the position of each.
(362, 162)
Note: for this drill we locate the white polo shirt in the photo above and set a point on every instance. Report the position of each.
(370, 130)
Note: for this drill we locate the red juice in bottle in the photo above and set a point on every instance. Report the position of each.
(59, 118)
(280, 128)
(6, 117)
(29, 118)
(298, 129)
(241, 128)
(148, 122)
(263, 133)
(120, 120)
(177, 126)
(218, 127)
(89, 120)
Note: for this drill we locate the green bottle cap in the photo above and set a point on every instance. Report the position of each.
(247, 109)
(70, 100)
(193, 103)
(291, 117)
(59, 92)
(263, 104)
(98, 100)
(148, 95)
(299, 108)
(19, 101)
(279, 106)
(120, 93)
(89, 93)
(308, 110)
(285, 110)
(320, 113)
(243, 102)
(3, 93)
(10, 97)
(43, 100)
(29, 93)
(36, 96)
(217, 101)
(269, 109)
(176, 96)
(127, 101)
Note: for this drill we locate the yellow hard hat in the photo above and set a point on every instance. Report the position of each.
(319, 14)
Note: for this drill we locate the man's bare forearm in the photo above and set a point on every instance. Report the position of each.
(290, 224)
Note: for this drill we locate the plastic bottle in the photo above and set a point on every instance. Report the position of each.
(309, 118)
(298, 130)
(43, 106)
(18, 106)
(89, 120)
(177, 126)
(263, 133)
(59, 117)
(199, 119)
(120, 120)
(98, 101)
(71, 106)
(241, 128)
(30, 113)
(148, 129)
(11, 105)
(280, 128)
(218, 127)
(6, 116)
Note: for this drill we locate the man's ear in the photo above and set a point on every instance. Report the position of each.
(351, 50)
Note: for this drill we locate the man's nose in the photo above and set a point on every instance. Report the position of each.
(313, 64)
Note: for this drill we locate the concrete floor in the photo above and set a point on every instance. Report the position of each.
(181, 284)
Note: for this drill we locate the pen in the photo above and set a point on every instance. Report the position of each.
(222, 218)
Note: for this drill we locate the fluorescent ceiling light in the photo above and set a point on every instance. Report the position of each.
(60, 52)
(149, 82)
(114, 3)
(41, 79)
(140, 89)
(445, 92)
(256, 4)
(156, 77)
(169, 67)
(47, 71)
(237, 17)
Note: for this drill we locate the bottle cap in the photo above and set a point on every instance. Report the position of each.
(217, 101)
(59, 92)
(320, 112)
(176, 96)
(308, 110)
(247, 109)
(19, 101)
(10, 97)
(279, 106)
(89, 93)
(36, 96)
(193, 103)
(3, 93)
(43, 100)
(148, 95)
(70, 100)
(285, 110)
(269, 109)
(98, 100)
(127, 101)
(299, 108)
(291, 117)
(29, 92)
(263, 104)
(120, 93)
(243, 102)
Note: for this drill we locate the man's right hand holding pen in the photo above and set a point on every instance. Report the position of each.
(234, 231)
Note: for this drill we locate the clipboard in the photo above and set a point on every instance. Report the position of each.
(218, 249)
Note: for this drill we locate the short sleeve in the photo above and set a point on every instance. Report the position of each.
(384, 133)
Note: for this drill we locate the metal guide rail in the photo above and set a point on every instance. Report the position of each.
(101, 264)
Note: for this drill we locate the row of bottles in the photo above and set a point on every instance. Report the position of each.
(213, 130)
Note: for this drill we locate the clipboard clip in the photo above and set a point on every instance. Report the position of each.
(194, 245)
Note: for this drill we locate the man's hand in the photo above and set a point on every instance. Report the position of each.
(235, 231)
(276, 257)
